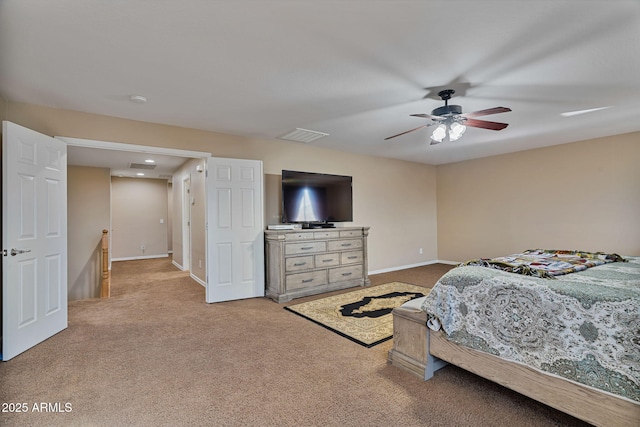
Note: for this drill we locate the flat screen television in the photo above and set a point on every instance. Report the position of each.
(316, 199)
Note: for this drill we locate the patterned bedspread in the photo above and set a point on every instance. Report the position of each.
(583, 326)
(547, 263)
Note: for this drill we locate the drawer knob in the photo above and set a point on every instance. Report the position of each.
(327, 260)
(306, 248)
(307, 281)
(346, 274)
(352, 257)
(299, 264)
(346, 244)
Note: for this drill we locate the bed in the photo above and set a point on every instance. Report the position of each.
(562, 327)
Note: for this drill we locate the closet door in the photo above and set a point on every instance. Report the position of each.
(235, 229)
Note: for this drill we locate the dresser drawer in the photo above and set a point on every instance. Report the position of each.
(345, 244)
(327, 260)
(345, 273)
(305, 280)
(353, 257)
(304, 248)
(297, 236)
(299, 263)
(326, 234)
(351, 233)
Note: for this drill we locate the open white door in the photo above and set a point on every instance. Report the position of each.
(34, 238)
(235, 229)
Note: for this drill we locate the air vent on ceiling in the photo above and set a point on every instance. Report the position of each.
(165, 176)
(141, 166)
(303, 135)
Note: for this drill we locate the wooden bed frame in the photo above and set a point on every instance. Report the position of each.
(421, 351)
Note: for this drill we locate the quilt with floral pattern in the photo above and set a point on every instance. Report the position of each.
(583, 326)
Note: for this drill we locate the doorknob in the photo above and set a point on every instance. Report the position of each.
(15, 252)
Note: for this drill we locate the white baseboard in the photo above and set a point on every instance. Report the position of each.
(139, 257)
(197, 279)
(177, 265)
(404, 267)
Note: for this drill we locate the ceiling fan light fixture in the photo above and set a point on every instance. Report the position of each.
(452, 122)
(439, 133)
(456, 130)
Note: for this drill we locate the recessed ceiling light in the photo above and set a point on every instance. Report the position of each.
(138, 99)
(578, 112)
(140, 174)
(149, 161)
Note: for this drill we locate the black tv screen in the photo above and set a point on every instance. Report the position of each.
(316, 198)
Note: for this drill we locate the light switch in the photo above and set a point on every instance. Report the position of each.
(161, 220)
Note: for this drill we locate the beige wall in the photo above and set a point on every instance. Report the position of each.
(88, 213)
(395, 198)
(583, 195)
(139, 210)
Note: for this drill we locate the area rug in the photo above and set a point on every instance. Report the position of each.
(363, 316)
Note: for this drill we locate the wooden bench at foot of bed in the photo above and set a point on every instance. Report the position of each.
(421, 352)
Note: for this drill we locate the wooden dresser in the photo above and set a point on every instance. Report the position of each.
(308, 262)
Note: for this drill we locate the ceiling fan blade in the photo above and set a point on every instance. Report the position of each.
(427, 116)
(486, 112)
(485, 124)
(411, 130)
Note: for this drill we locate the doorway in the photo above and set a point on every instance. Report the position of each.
(119, 159)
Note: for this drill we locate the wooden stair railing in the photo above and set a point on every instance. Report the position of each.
(105, 284)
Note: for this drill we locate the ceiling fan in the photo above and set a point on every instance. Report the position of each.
(452, 122)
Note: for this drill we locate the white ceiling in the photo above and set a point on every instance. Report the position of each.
(355, 69)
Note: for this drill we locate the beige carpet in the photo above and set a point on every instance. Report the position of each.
(363, 316)
(156, 354)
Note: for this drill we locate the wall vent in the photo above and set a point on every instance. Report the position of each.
(141, 166)
(303, 135)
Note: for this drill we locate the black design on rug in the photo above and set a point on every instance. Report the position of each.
(377, 306)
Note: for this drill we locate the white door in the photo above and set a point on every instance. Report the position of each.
(34, 238)
(235, 229)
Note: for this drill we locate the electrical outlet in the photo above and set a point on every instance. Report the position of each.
(200, 263)
(420, 251)
(142, 247)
